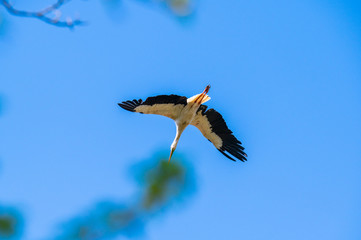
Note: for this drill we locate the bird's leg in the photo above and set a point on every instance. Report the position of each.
(207, 89)
(199, 99)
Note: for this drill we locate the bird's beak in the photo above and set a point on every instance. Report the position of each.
(171, 153)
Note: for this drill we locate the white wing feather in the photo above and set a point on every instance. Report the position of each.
(201, 122)
(169, 110)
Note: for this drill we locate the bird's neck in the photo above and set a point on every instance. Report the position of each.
(180, 129)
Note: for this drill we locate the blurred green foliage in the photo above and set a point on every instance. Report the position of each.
(104, 221)
(7, 226)
(181, 7)
(10, 223)
(161, 183)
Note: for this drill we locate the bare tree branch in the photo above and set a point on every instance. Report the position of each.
(42, 15)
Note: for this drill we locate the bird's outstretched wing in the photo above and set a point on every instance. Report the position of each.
(165, 105)
(214, 128)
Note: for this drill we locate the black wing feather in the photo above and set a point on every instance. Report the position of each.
(130, 105)
(230, 143)
(165, 99)
(160, 99)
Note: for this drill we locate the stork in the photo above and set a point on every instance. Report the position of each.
(191, 111)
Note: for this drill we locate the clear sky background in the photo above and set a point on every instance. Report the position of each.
(286, 76)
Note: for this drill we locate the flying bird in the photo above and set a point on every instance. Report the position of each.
(191, 111)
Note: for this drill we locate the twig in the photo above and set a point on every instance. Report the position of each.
(42, 14)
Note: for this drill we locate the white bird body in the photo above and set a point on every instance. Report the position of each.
(187, 114)
(190, 111)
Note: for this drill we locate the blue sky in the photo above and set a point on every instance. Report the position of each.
(284, 74)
